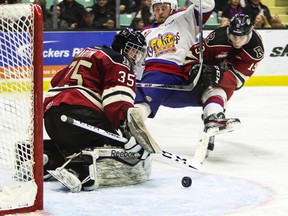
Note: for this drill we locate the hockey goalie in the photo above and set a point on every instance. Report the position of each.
(98, 89)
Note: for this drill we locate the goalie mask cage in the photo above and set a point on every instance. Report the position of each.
(21, 115)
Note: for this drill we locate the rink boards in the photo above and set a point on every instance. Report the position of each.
(60, 47)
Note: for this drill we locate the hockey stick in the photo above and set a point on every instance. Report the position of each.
(205, 138)
(189, 87)
(200, 22)
(165, 154)
(94, 129)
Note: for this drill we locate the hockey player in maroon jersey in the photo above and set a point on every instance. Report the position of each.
(98, 88)
(236, 50)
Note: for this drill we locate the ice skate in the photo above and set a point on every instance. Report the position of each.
(217, 123)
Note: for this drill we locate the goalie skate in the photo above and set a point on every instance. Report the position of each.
(67, 178)
(140, 132)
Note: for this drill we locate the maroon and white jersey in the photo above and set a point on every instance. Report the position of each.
(238, 64)
(99, 78)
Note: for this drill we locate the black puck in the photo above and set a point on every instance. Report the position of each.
(186, 181)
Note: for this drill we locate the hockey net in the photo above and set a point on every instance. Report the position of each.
(21, 94)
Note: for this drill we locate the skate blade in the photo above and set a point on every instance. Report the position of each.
(225, 129)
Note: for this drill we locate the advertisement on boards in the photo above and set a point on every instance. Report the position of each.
(275, 60)
(60, 47)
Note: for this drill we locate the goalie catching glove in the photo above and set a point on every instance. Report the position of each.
(211, 75)
(133, 147)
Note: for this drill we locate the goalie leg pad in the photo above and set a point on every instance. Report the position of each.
(115, 173)
(116, 167)
(105, 169)
(91, 182)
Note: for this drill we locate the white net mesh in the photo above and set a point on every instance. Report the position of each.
(16, 103)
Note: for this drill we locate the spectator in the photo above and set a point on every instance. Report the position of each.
(104, 14)
(255, 7)
(109, 24)
(145, 13)
(261, 22)
(276, 22)
(135, 5)
(124, 6)
(137, 23)
(88, 20)
(219, 6)
(224, 21)
(232, 8)
(60, 23)
(72, 12)
(10, 1)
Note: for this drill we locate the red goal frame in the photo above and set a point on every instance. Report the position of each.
(38, 114)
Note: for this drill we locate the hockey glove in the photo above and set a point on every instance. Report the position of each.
(211, 75)
(133, 147)
(207, 5)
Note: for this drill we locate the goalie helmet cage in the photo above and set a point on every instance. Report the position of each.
(21, 111)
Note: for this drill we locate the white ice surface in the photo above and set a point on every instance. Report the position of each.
(246, 174)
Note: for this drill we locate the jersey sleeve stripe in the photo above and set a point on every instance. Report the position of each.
(118, 93)
(95, 98)
(240, 77)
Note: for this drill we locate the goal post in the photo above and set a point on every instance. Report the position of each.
(21, 108)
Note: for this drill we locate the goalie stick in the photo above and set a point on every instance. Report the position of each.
(193, 165)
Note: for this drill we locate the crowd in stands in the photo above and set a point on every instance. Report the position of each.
(70, 14)
(99, 16)
(255, 9)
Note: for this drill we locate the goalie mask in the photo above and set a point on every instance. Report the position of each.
(131, 44)
(239, 30)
